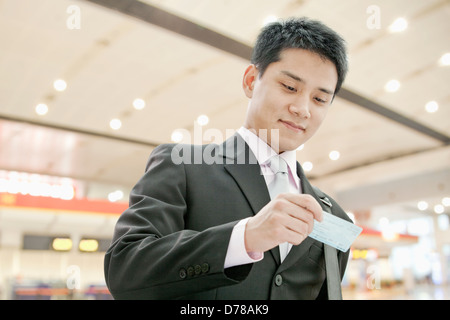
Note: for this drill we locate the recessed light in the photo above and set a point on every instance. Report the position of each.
(41, 109)
(59, 85)
(392, 85)
(431, 106)
(445, 60)
(422, 205)
(439, 208)
(176, 136)
(307, 166)
(270, 19)
(446, 201)
(334, 155)
(139, 104)
(203, 120)
(115, 124)
(399, 25)
(115, 196)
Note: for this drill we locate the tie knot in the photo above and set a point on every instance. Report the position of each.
(278, 164)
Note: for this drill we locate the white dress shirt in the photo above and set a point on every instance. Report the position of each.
(236, 253)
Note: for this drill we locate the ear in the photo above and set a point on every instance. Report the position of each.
(248, 82)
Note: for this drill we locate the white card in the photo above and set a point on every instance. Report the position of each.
(335, 232)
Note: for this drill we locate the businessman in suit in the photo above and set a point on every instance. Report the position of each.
(213, 229)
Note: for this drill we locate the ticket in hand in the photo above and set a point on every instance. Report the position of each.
(335, 232)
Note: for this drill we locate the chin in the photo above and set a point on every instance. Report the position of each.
(289, 146)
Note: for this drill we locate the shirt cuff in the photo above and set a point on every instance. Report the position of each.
(236, 253)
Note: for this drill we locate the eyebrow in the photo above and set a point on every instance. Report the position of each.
(298, 79)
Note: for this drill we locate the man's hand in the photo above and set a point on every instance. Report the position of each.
(287, 218)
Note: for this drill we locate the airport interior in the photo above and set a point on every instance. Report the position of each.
(89, 88)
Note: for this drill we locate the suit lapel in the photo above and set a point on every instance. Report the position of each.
(242, 165)
(307, 188)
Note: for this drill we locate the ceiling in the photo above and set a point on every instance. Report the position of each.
(112, 52)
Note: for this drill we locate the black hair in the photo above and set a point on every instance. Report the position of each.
(300, 33)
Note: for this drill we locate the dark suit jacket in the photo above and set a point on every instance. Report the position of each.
(172, 241)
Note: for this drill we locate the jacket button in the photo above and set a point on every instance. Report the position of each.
(190, 271)
(205, 267)
(182, 273)
(278, 280)
(197, 269)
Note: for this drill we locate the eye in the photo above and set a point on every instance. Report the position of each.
(321, 101)
(289, 88)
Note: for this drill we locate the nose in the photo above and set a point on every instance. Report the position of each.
(300, 108)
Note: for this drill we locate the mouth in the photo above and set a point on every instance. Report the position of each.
(292, 126)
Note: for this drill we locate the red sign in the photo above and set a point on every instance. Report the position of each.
(48, 203)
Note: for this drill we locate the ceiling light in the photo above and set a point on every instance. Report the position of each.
(177, 136)
(445, 60)
(62, 244)
(115, 196)
(431, 106)
(59, 85)
(439, 208)
(88, 245)
(307, 166)
(270, 19)
(41, 109)
(392, 85)
(422, 205)
(334, 155)
(399, 25)
(115, 124)
(446, 201)
(202, 120)
(139, 104)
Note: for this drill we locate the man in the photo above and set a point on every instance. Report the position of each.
(213, 230)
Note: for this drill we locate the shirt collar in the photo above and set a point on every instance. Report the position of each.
(263, 152)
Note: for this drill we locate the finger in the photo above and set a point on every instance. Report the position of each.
(296, 212)
(293, 210)
(297, 219)
(307, 202)
(295, 238)
(302, 215)
(306, 220)
(292, 234)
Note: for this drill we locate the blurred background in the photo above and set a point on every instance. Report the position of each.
(89, 88)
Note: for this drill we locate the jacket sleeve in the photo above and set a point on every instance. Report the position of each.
(152, 255)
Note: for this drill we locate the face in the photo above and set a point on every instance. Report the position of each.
(292, 97)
